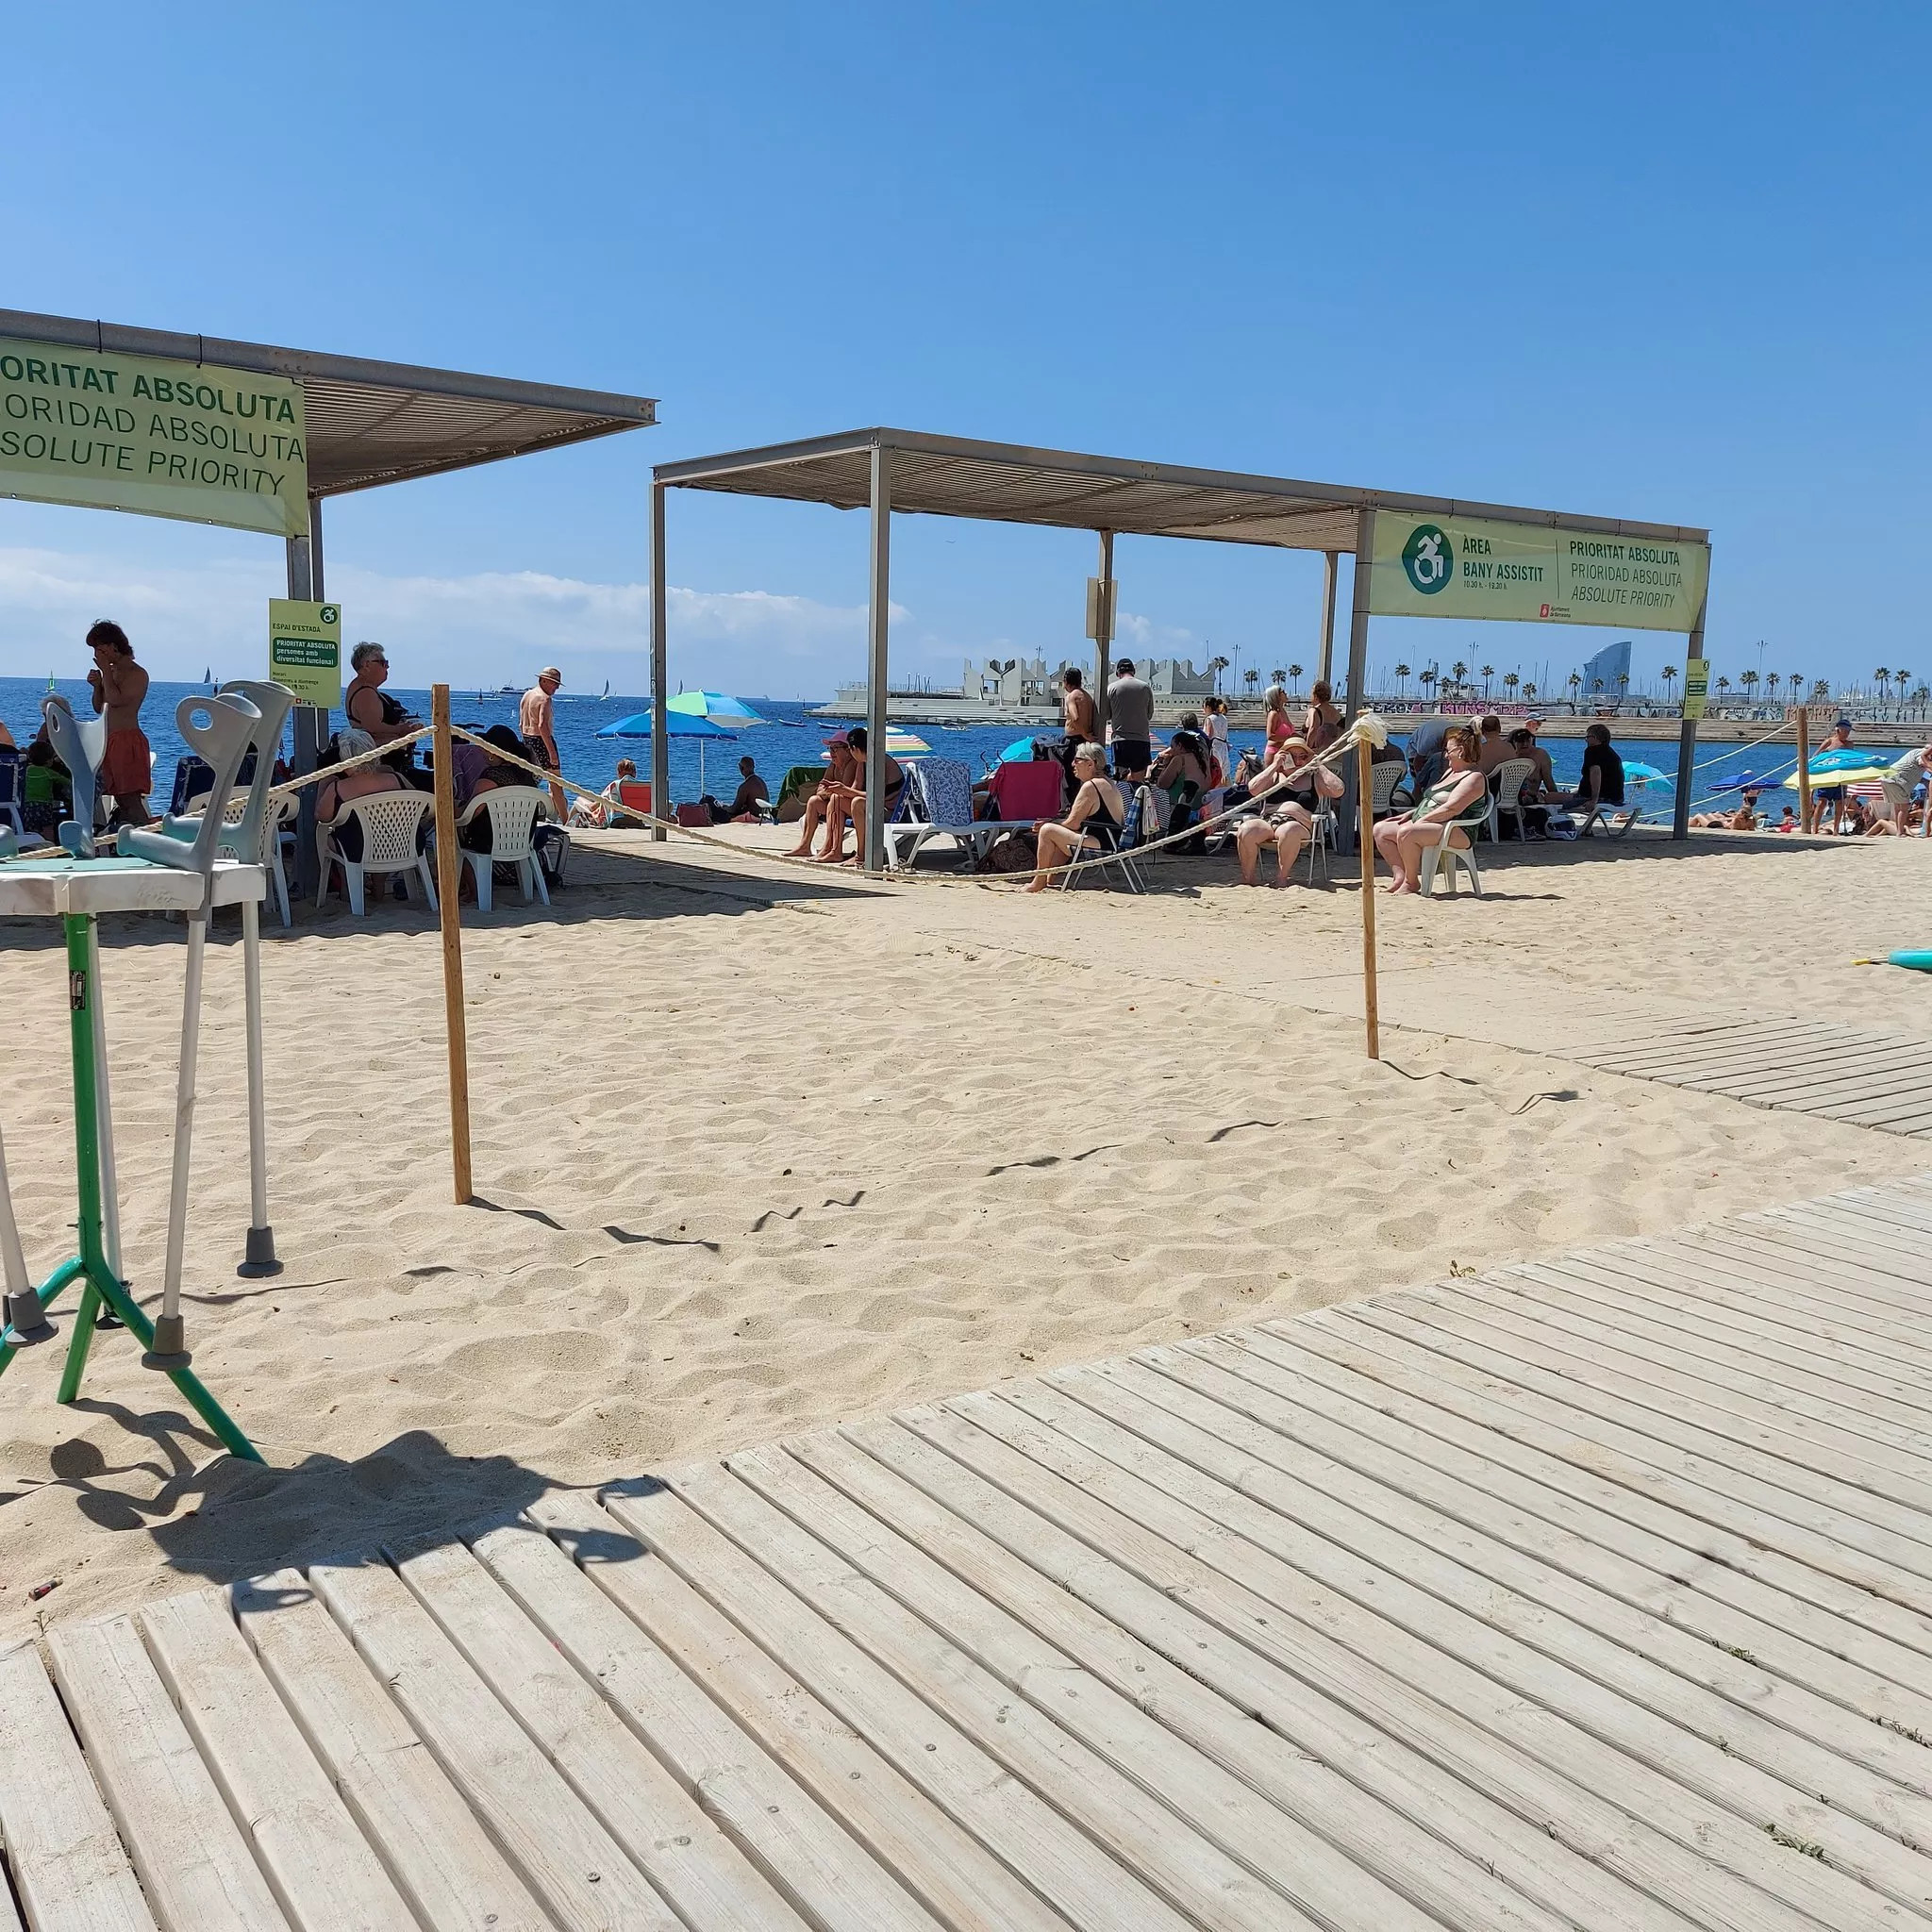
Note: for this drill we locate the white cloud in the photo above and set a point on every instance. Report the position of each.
(493, 624)
(1156, 640)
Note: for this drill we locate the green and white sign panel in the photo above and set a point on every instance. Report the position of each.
(305, 650)
(183, 440)
(1462, 567)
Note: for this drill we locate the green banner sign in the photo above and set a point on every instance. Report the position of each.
(166, 439)
(1465, 567)
(305, 650)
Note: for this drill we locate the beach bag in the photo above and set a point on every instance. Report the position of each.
(1012, 852)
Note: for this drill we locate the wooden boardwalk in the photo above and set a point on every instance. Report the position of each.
(1591, 1595)
(1799, 1066)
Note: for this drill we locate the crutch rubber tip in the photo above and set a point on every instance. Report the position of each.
(26, 1320)
(170, 1347)
(259, 1257)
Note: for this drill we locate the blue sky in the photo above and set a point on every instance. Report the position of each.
(1658, 262)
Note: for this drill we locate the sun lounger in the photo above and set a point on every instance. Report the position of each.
(1602, 811)
(938, 802)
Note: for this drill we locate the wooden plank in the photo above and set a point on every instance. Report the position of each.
(1881, 1474)
(573, 1864)
(194, 1863)
(1849, 1079)
(1344, 1653)
(1274, 1844)
(322, 1873)
(708, 1880)
(1381, 1549)
(1775, 1333)
(440, 1859)
(1599, 1292)
(1791, 1509)
(1744, 1035)
(1881, 1090)
(1882, 1278)
(1033, 1835)
(804, 1852)
(1745, 1046)
(1825, 1063)
(1717, 1642)
(62, 1853)
(1895, 1254)
(942, 1864)
(1387, 1808)
(1561, 1477)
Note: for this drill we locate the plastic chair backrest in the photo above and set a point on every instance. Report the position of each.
(190, 844)
(390, 820)
(274, 701)
(1383, 779)
(512, 811)
(1029, 791)
(636, 793)
(79, 743)
(1512, 774)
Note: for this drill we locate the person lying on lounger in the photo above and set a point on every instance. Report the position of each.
(1093, 823)
(1402, 840)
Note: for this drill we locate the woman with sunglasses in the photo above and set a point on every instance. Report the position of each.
(368, 707)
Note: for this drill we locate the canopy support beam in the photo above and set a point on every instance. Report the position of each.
(878, 624)
(310, 721)
(660, 712)
(1687, 733)
(1103, 631)
(1326, 644)
(1358, 669)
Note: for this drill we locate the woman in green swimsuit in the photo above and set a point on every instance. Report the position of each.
(1401, 842)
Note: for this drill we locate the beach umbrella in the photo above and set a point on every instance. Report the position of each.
(1019, 753)
(1637, 773)
(899, 744)
(1865, 774)
(714, 706)
(676, 724)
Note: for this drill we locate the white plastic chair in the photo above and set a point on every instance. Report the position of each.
(390, 822)
(1512, 774)
(1383, 780)
(1446, 855)
(512, 812)
(1320, 837)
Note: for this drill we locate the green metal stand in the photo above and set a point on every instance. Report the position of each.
(90, 1266)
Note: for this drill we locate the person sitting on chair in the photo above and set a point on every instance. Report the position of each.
(846, 806)
(1291, 788)
(752, 792)
(1182, 770)
(1402, 840)
(837, 777)
(1602, 782)
(1093, 822)
(363, 781)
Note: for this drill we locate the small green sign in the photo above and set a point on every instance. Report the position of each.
(305, 650)
(1696, 685)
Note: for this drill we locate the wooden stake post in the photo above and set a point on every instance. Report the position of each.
(1365, 791)
(448, 880)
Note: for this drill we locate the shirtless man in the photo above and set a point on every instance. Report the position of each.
(837, 778)
(119, 686)
(1081, 719)
(537, 727)
(847, 802)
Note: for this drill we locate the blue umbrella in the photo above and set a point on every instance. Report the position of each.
(676, 724)
(1636, 770)
(1845, 758)
(1019, 753)
(714, 705)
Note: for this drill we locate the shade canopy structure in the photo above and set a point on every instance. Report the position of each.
(916, 473)
(373, 423)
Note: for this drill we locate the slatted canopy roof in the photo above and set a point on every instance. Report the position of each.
(373, 422)
(947, 476)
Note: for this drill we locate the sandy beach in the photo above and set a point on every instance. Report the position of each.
(759, 1148)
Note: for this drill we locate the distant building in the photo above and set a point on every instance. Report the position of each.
(1609, 671)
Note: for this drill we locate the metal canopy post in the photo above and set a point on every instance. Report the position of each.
(661, 712)
(1325, 643)
(1686, 731)
(1103, 631)
(311, 720)
(879, 620)
(1357, 668)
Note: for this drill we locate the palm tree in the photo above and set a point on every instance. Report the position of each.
(1723, 684)
(1402, 674)
(1749, 681)
(1217, 665)
(1622, 685)
(1294, 671)
(1901, 677)
(1770, 686)
(1820, 691)
(1428, 679)
(1882, 678)
(1251, 677)
(1460, 669)
(1670, 679)
(1920, 697)
(1511, 681)
(1489, 671)
(1529, 693)
(1575, 684)
(1277, 678)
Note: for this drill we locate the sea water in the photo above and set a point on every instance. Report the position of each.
(788, 736)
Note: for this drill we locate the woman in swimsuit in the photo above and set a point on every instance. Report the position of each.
(1295, 788)
(370, 709)
(1091, 826)
(846, 805)
(1274, 704)
(1322, 726)
(1402, 840)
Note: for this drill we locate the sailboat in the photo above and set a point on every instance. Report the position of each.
(605, 692)
(208, 676)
